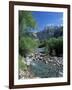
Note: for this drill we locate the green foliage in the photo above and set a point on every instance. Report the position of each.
(42, 43)
(22, 65)
(27, 45)
(27, 18)
(54, 46)
(26, 22)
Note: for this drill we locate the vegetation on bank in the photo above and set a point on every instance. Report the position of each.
(26, 43)
(54, 46)
(22, 64)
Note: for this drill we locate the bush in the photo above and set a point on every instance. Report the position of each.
(22, 65)
(54, 46)
(27, 45)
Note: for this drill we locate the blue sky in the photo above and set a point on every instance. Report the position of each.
(47, 18)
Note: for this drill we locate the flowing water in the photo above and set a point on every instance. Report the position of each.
(43, 70)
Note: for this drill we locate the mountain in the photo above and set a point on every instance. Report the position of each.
(50, 31)
(46, 33)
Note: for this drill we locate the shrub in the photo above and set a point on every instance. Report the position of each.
(27, 45)
(22, 65)
(54, 46)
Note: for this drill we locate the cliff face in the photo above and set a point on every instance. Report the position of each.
(49, 32)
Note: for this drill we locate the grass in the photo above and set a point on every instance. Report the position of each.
(22, 64)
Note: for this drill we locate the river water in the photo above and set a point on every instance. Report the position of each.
(42, 69)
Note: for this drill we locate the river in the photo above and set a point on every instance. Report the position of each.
(43, 70)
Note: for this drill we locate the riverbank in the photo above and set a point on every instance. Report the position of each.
(42, 66)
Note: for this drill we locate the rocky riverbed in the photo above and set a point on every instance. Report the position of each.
(41, 65)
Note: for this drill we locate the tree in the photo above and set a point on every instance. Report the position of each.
(27, 45)
(54, 46)
(26, 22)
